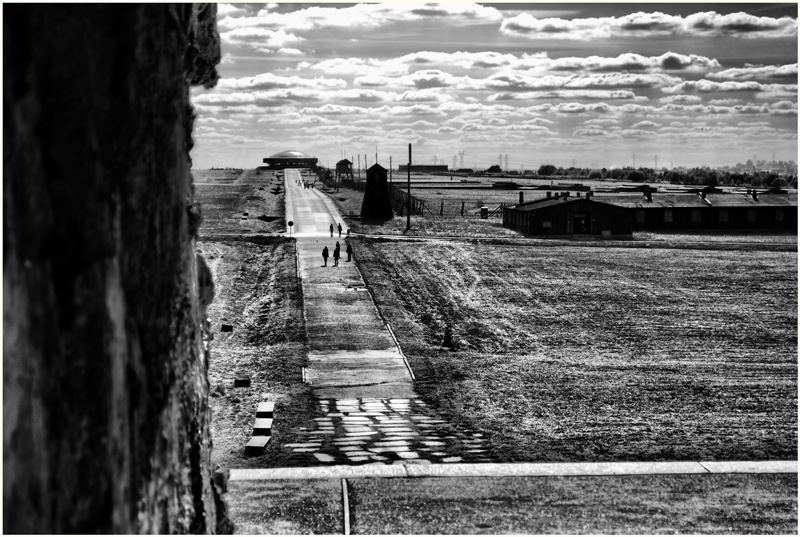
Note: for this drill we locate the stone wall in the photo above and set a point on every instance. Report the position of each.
(105, 416)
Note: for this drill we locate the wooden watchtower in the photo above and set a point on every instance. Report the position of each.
(344, 170)
(377, 206)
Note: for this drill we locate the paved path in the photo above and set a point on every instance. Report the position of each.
(368, 410)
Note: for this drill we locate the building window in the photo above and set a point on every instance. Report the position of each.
(696, 219)
(546, 224)
(779, 215)
(640, 217)
(723, 216)
(668, 216)
(751, 215)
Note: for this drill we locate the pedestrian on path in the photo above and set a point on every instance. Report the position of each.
(349, 251)
(336, 255)
(340, 230)
(325, 256)
(331, 230)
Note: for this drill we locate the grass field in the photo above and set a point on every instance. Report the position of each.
(225, 195)
(258, 294)
(599, 354)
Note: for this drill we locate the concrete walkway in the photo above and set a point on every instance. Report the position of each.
(521, 469)
(368, 410)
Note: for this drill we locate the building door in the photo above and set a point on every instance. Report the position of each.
(581, 224)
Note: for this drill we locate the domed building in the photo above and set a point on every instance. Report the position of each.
(290, 159)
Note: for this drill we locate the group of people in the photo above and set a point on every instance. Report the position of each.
(339, 226)
(336, 254)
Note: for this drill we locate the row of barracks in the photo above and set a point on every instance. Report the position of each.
(619, 215)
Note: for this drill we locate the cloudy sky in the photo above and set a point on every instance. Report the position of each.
(693, 84)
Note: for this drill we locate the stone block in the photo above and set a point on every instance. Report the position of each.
(257, 445)
(241, 383)
(265, 409)
(262, 427)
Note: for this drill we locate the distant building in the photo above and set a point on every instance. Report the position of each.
(423, 168)
(619, 214)
(561, 215)
(290, 159)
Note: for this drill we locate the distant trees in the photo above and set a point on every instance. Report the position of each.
(547, 169)
(494, 168)
(636, 176)
(596, 174)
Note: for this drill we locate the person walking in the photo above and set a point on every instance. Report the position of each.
(349, 251)
(331, 230)
(336, 255)
(325, 256)
(340, 230)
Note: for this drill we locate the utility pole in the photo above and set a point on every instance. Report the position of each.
(390, 170)
(656, 168)
(359, 166)
(408, 204)
(634, 161)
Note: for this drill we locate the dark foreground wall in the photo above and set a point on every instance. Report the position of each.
(105, 422)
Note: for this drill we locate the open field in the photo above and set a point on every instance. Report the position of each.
(259, 295)
(599, 354)
(634, 505)
(225, 195)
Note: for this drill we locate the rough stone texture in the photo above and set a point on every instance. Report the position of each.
(105, 420)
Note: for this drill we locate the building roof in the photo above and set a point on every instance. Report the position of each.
(290, 155)
(552, 202)
(661, 200)
(746, 200)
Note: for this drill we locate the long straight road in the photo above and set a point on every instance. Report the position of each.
(369, 411)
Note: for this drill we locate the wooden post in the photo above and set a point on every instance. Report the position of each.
(408, 217)
(462, 208)
(441, 209)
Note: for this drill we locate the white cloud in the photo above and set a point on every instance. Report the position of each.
(291, 52)
(681, 99)
(669, 61)
(519, 82)
(601, 121)
(758, 72)
(709, 86)
(269, 81)
(259, 38)
(357, 66)
(646, 124)
(366, 16)
(229, 10)
(568, 94)
(719, 102)
(644, 25)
